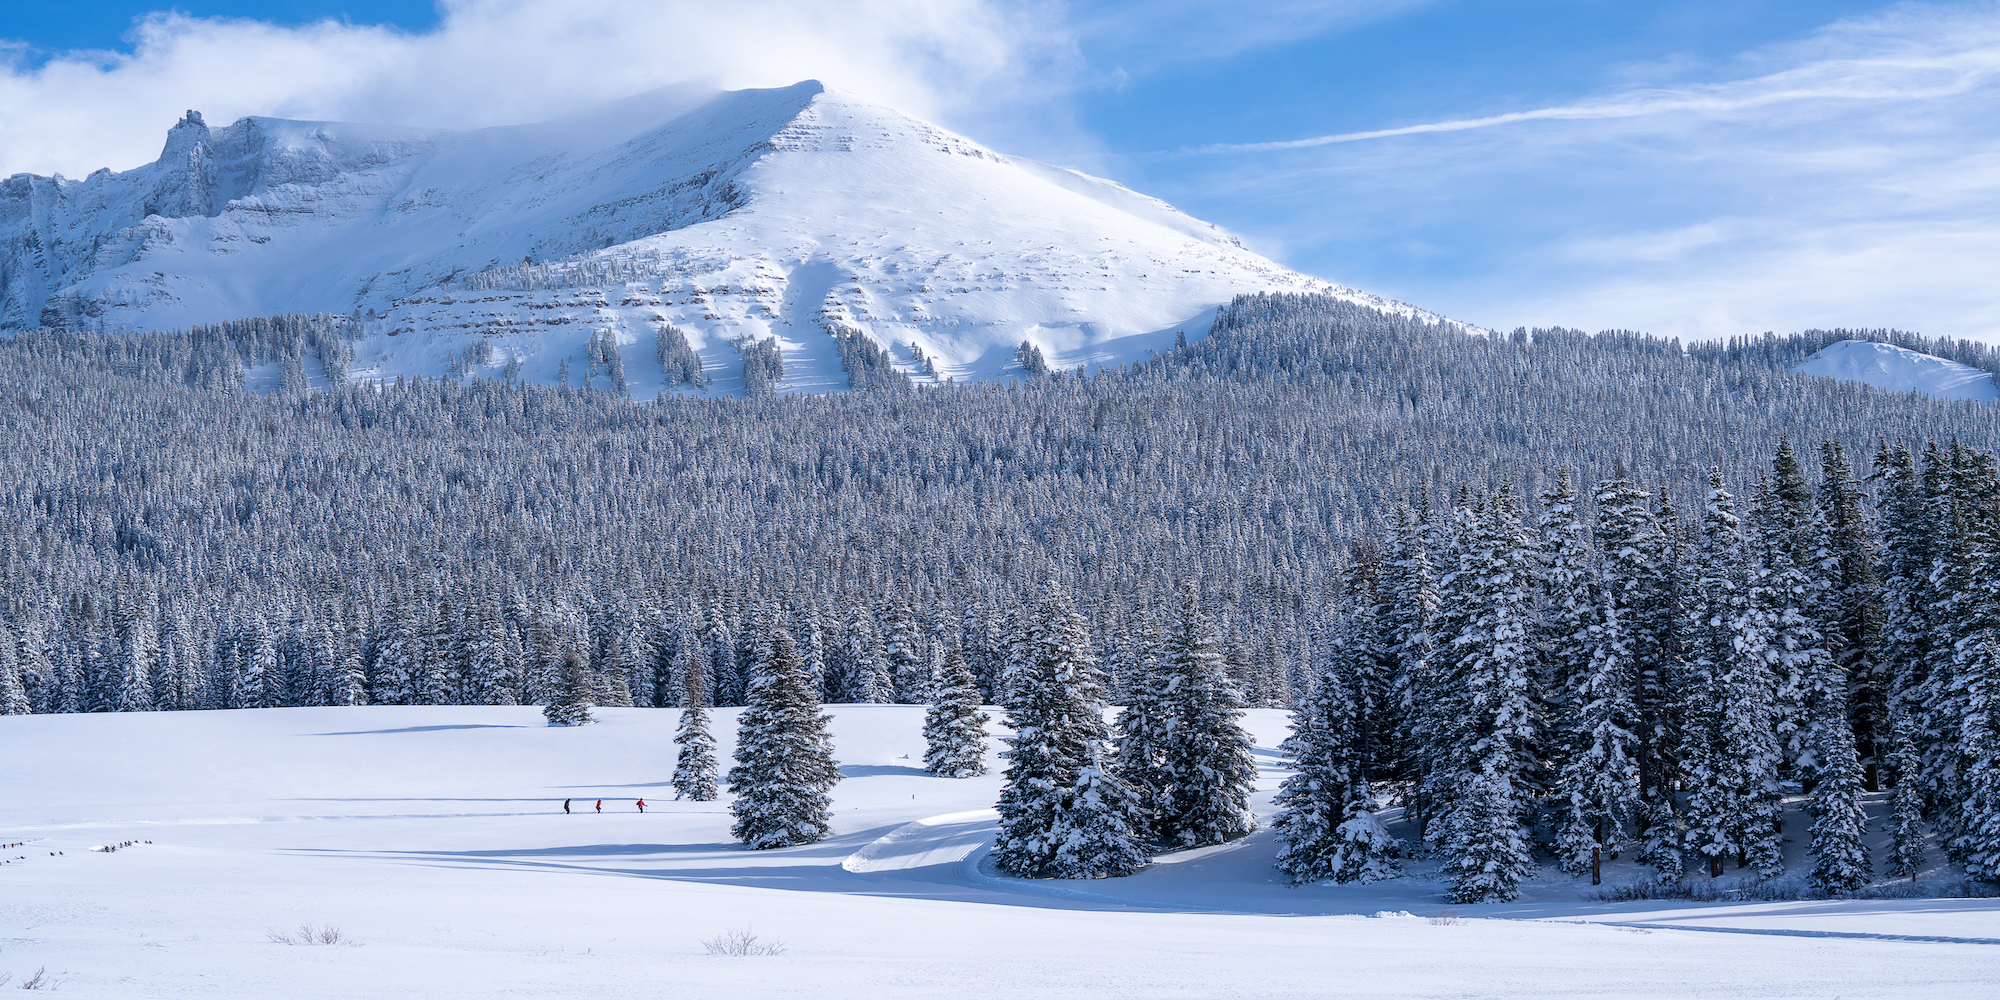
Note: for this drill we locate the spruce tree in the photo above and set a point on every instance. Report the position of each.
(955, 728)
(1137, 760)
(694, 761)
(1053, 708)
(571, 707)
(1205, 756)
(353, 683)
(785, 771)
(1096, 832)
(1598, 786)
(1906, 805)
(1840, 861)
(13, 694)
(1489, 848)
(1326, 825)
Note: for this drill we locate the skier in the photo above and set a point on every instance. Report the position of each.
(642, 806)
(565, 807)
(600, 805)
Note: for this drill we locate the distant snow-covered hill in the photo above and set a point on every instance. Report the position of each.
(790, 213)
(1899, 369)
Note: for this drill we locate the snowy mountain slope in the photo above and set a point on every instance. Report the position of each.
(1899, 369)
(788, 212)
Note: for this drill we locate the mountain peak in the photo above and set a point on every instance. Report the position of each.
(793, 212)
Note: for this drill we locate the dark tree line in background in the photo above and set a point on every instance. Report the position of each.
(171, 543)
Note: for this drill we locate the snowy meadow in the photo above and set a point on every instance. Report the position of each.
(433, 839)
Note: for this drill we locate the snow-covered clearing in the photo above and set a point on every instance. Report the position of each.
(435, 840)
(1899, 369)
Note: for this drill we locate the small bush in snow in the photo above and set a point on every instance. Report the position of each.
(309, 934)
(739, 943)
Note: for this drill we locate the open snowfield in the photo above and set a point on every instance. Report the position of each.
(434, 839)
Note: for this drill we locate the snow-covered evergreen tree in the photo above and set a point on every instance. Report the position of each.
(138, 651)
(1598, 786)
(353, 686)
(571, 706)
(13, 694)
(1906, 805)
(1096, 834)
(955, 728)
(1205, 755)
(909, 668)
(1327, 827)
(694, 760)
(1489, 848)
(785, 771)
(1057, 720)
(1840, 861)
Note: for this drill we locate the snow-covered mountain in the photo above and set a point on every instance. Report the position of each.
(1899, 369)
(788, 212)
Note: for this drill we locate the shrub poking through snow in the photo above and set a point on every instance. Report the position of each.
(741, 943)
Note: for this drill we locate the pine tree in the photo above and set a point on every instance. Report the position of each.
(138, 652)
(1489, 848)
(1850, 608)
(1906, 805)
(694, 762)
(571, 706)
(955, 728)
(908, 668)
(1840, 861)
(1205, 756)
(1327, 827)
(1136, 761)
(1054, 711)
(353, 688)
(785, 770)
(13, 694)
(1096, 832)
(1599, 784)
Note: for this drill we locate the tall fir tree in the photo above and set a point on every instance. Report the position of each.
(1598, 785)
(571, 706)
(1490, 851)
(955, 728)
(1096, 831)
(694, 760)
(785, 771)
(1205, 755)
(1327, 829)
(1055, 711)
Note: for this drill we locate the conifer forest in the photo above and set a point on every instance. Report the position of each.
(1558, 597)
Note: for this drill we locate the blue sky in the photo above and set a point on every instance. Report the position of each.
(1699, 168)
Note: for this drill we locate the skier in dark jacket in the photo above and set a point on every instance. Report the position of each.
(565, 807)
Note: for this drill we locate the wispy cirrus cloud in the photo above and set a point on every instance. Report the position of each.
(1849, 177)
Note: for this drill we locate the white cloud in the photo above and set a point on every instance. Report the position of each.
(504, 61)
(1848, 178)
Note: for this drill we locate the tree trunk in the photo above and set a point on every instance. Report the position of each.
(1596, 866)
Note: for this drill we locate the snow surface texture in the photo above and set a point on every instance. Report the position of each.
(1899, 369)
(434, 837)
(786, 212)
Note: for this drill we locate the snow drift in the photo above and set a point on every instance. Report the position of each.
(733, 216)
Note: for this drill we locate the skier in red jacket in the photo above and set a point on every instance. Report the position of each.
(600, 805)
(642, 805)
